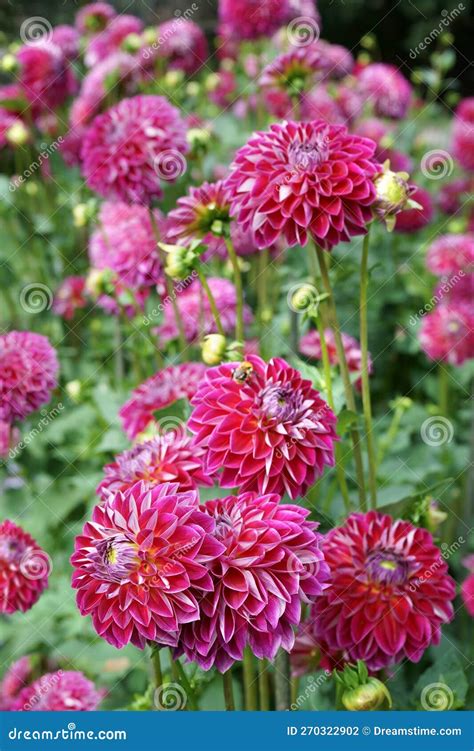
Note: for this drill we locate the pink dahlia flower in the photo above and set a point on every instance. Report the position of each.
(310, 345)
(169, 457)
(15, 679)
(463, 134)
(45, 76)
(454, 196)
(318, 104)
(94, 17)
(70, 296)
(386, 89)
(337, 60)
(271, 564)
(224, 91)
(412, 220)
(291, 74)
(389, 592)
(449, 254)
(141, 564)
(455, 288)
(447, 333)
(122, 148)
(71, 145)
(63, 691)
(28, 373)
(24, 569)
(109, 41)
(184, 44)
(300, 179)
(195, 214)
(118, 73)
(67, 39)
(196, 314)
(467, 587)
(160, 391)
(251, 19)
(264, 426)
(125, 243)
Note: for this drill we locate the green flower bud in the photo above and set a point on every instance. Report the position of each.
(393, 195)
(17, 134)
(150, 35)
(193, 89)
(9, 63)
(198, 138)
(132, 43)
(73, 390)
(213, 349)
(173, 78)
(367, 697)
(305, 298)
(180, 261)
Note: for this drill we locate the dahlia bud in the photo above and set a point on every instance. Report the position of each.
(304, 298)
(9, 63)
(434, 516)
(213, 349)
(132, 43)
(193, 89)
(367, 697)
(83, 212)
(73, 390)
(173, 78)
(393, 195)
(180, 260)
(97, 282)
(211, 82)
(17, 134)
(198, 139)
(150, 35)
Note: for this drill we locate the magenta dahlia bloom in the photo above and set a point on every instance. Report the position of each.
(118, 72)
(63, 691)
(291, 74)
(17, 676)
(94, 17)
(28, 373)
(122, 148)
(455, 288)
(24, 569)
(141, 564)
(125, 243)
(318, 104)
(412, 220)
(45, 75)
(169, 457)
(304, 179)
(337, 60)
(196, 314)
(449, 254)
(264, 426)
(251, 19)
(387, 90)
(447, 333)
(160, 391)
(67, 39)
(452, 196)
(389, 592)
(195, 214)
(70, 296)
(184, 44)
(109, 41)
(467, 587)
(9, 437)
(463, 134)
(310, 345)
(271, 564)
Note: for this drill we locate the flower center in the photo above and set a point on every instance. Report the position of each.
(11, 551)
(115, 558)
(385, 567)
(310, 155)
(279, 403)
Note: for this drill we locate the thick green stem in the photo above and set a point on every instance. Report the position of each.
(341, 356)
(250, 680)
(443, 389)
(239, 326)
(228, 691)
(183, 679)
(282, 681)
(212, 302)
(366, 402)
(263, 685)
(157, 671)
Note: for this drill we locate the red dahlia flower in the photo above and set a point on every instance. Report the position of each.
(264, 425)
(270, 565)
(122, 148)
(170, 457)
(162, 389)
(389, 592)
(63, 691)
(447, 333)
(28, 373)
(141, 564)
(24, 569)
(197, 214)
(300, 179)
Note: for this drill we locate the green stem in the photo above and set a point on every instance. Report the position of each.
(183, 679)
(212, 302)
(263, 685)
(341, 356)
(157, 671)
(239, 327)
(250, 682)
(169, 285)
(282, 681)
(228, 691)
(366, 402)
(443, 379)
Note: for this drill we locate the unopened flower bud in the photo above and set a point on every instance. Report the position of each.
(132, 43)
(80, 215)
(97, 281)
(393, 195)
(193, 89)
(198, 139)
(173, 78)
(367, 697)
(73, 390)
(150, 35)
(213, 349)
(17, 134)
(212, 82)
(305, 298)
(9, 63)
(180, 261)
(434, 516)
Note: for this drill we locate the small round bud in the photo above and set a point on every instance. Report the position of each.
(305, 298)
(17, 134)
(180, 261)
(173, 78)
(73, 390)
(367, 697)
(132, 43)
(212, 82)
(9, 63)
(80, 215)
(198, 138)
(150, 35)
(193, 89)
(213, 349)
